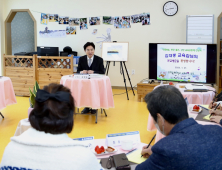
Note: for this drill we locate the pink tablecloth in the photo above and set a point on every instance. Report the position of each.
(196, 97)
(159, 135)
(7, 94)
(95, 93)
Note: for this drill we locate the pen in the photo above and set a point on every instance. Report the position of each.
(130, 151)
(215, 108)
(203, 107)
(149, 143)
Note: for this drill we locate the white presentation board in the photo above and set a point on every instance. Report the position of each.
(200, 29)
(115, 51)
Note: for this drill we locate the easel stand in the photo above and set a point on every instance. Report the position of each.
(2, 115)
(121, 72)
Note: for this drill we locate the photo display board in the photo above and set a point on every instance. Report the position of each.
(115, 51)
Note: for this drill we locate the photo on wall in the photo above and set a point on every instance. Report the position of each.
(83, 24)
(53, 17)
(63, 20)
(94, 20)
(145, 17)
(52, 33)
(126, 22)
(108, 20)
(136, 18)
(118, 22)
(73, 21)
(70, 30)
(44, 18)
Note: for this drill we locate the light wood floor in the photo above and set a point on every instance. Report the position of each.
(128, 115)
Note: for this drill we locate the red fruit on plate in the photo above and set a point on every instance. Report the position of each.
(196, 108)
(97, 150)
(171, 83)
(102, 149)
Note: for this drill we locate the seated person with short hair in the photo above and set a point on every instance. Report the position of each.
(46, 145)
(90, 64)
(187, 145)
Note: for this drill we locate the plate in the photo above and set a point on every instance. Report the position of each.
(104, 153)
(191, 110)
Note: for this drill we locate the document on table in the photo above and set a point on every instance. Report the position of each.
(89, 141)
(116, 138)
(191, 87)
(136, 157)
(207, 117)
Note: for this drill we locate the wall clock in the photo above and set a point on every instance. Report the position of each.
(170, 8)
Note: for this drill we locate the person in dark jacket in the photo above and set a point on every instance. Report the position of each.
(90, 64)
(187, 145)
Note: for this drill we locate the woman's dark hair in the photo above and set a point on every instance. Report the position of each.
(169, 102)
(89, 44)
(53, 116)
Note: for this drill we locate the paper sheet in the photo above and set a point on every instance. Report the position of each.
(191, 87)
(136, 157)
(207, 117)
(206, 106)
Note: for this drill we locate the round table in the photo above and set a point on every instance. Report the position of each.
(23, 125)
(195, 97)
(7, 94)
(95, 92)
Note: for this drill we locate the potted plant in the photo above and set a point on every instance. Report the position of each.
(32, 97)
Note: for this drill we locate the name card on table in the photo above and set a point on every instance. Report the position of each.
(89, 141)
(115, 139)
(81, 76)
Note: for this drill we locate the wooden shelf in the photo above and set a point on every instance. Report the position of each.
(144, 88)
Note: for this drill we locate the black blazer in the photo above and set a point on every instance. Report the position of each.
(97, 65)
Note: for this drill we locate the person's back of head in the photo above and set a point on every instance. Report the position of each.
(53, 110)
(67, 49)
(168, 102)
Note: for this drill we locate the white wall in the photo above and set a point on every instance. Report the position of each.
(1, 34)
(162, 29)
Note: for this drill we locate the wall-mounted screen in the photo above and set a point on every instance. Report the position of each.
(183, 62)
